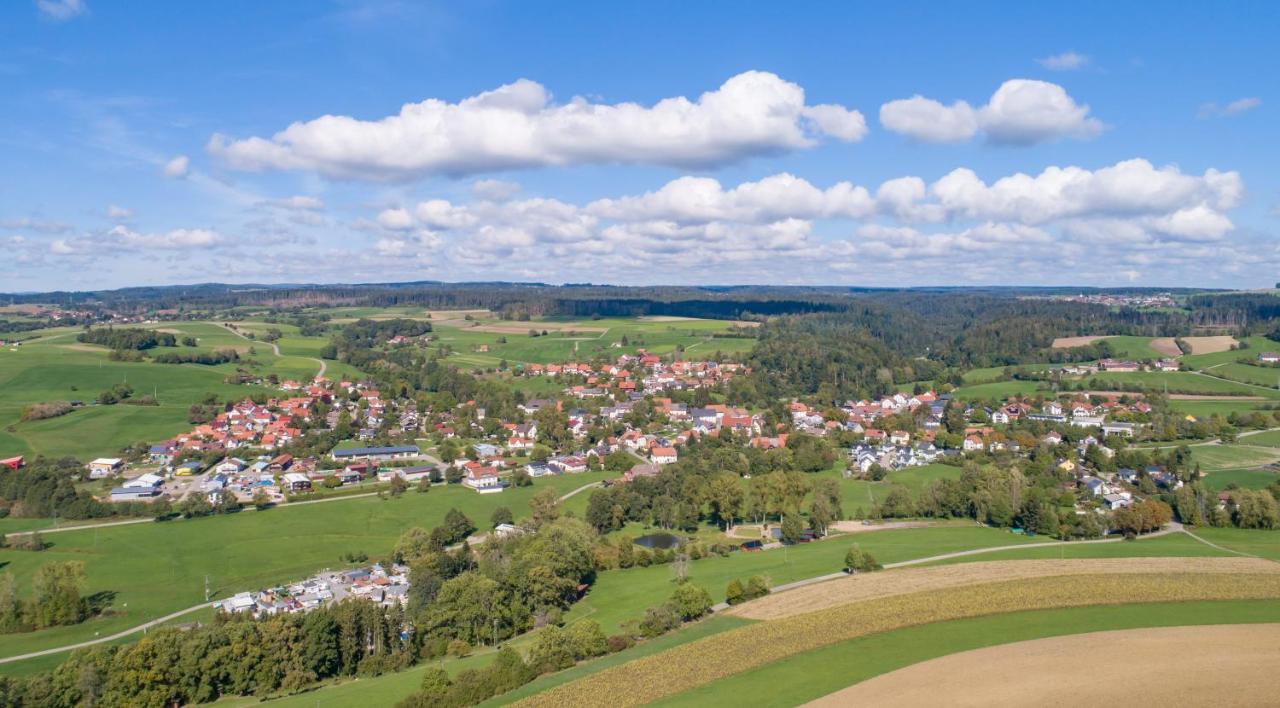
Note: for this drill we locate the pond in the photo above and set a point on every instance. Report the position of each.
(662, 541)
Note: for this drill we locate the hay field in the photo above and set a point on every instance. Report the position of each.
(1069, 342)
(1166, 346)
(866, 586)
(1219, 665)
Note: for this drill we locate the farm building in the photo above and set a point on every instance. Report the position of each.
(13, 463)
(104, 467)
(296, 482)
(395, 452)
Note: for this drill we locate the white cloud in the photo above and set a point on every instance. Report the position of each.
(299, 202)
(177, 239)
(395, 219)
(927, 120)
(518, 126)
(1236, 107)
(440, 214)
(1020, 112)
(61, 10)
(495, 190)
(177, 168)
(118, 212)
(1066, 61)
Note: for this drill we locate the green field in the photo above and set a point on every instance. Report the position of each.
(813, 674)
(1270, 438)
(1172, 545)
(1180, 382)
(999, 390)
(1206, 409)
(1247, 373)
(1126, 347)
(1249, 479)
(57, 368)
(568, 340)
(1255, 542)
(1227, 457)
(158, 568)
(1256, 346)
(624, 595)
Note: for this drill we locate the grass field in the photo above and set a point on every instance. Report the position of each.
(1249, 479)
(1206, 409)
(1170, 546)
(624, 595)
(810, 675)
(1247, 373)
(1256, 345)
(1180, 382)
(1126, 347)
(567, 340)
(158, 568)
(57, 368)
(999, 390)
(1256, 542)
(1226, 457)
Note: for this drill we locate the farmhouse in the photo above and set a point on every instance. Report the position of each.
(1269, 357)
(1118, 365)
(395, 452)
(662, 455)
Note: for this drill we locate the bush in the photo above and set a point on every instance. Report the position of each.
(619, 642)
(458, 648)
(659, 620)
(860, 561)
(734, 593)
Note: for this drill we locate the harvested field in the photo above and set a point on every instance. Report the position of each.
(1166, 346)
(1218, 665)
(1210, 345)
(1069, 342)
(866, 586)
(730, 653)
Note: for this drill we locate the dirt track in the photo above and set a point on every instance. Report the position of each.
(866, 586)
(1216, 665)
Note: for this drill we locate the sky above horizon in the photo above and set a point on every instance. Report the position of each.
(1101, 144)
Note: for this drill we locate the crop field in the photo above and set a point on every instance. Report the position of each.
(745, 649)
(809, 675)
(486, 341)
(1210, 345)
(158, 568)
(623, 595)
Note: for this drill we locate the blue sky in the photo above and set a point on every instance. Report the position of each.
(718, 142)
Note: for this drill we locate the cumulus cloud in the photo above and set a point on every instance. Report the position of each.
(1066, 61)
(395, 220)
(122, 238)
(177, 168)
(519, 126)
(118, 213)
(495, 190)
(61, 10)
(1020, 112)
(1236, 107)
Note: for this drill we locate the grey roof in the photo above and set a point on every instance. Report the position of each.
(361, 451)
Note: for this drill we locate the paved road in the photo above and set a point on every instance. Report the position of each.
(324, 366)
(110, 638)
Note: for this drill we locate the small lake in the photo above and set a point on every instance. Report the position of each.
(662, 541)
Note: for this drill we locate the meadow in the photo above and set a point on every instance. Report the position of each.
(55, 367)
(1227, 457)
(1179, 382)
(160, 567)
(999, 390)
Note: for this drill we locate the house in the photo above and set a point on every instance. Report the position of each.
(13, 463)
(1117, 501)
(972, 443)
(1117, 365)
(105, 467)
(569, 464)
(395, 452)
(231, 465)
(1269, 357)
(539, 469)
(1052, 438)
(483, 479)
(1168, 365)
(280, 463)
(484, 450)
(641, 470)
(162, 453)
(900, 437)
(296, 482)
(662, 455)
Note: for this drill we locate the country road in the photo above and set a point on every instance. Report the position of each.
(324, 366)
(109, 638)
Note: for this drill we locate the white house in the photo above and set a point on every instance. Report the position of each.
(662, 455)
(104, 467)
(483, 479)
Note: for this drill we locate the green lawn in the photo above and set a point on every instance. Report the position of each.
(1206, 409)
(1247, 373)
(158, 568)
(1179, 382)
(811, 675)
(1270, 438)
(623, 595)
